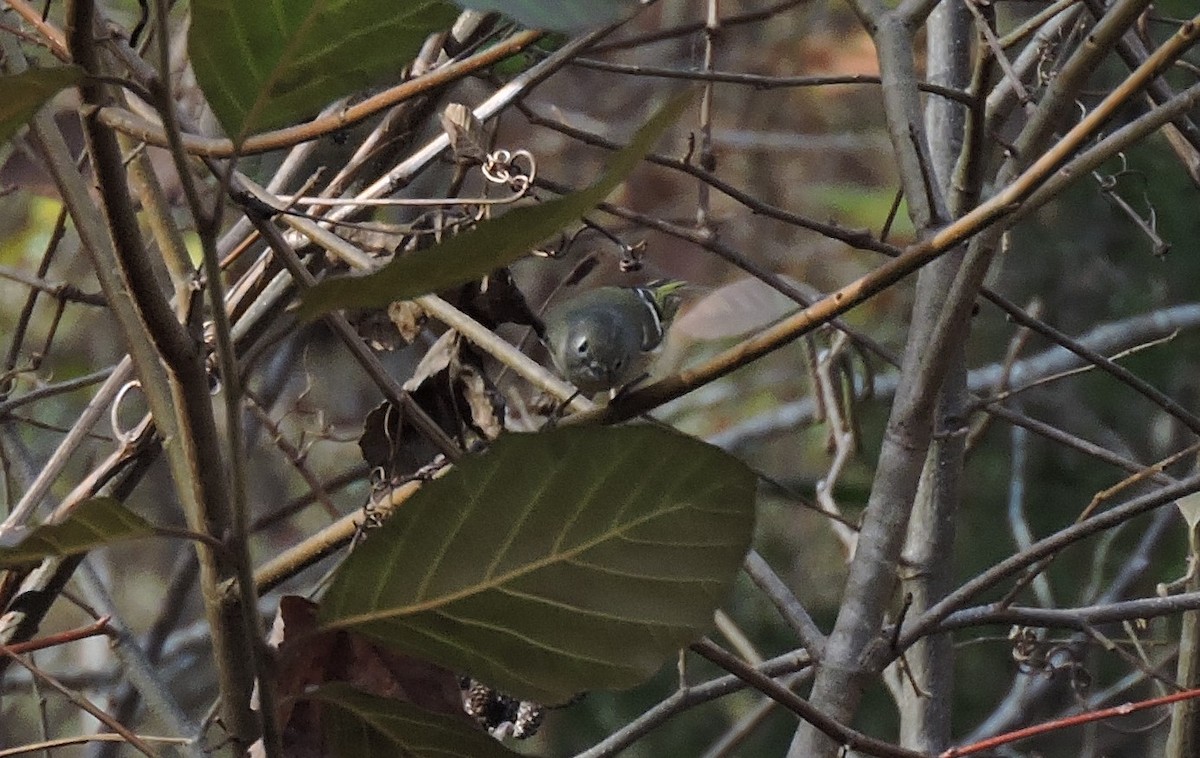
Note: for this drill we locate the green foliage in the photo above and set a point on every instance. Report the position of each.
(515, 64)
(21, 95)
(858, 206)
(489, 245)
(358, 725)
(93, 523)
(270, 63)
(553, 563)
(556, 15)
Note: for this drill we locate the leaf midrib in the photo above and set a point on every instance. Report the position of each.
(501, 579)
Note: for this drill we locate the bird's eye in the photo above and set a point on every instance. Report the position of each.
(619, 363)
(581, 346)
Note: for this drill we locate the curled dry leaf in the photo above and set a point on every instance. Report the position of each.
(495, 299)
(451, 378)
(308, 658)
(436, 360)
(408, 318)
(483, 400)
(1189, 506)
(450, 385)
(468, 138)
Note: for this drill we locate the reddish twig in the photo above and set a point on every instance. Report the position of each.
(71, 635)
(1082, 718)
(79, 700)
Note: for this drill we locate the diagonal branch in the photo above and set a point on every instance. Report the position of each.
(195, 457)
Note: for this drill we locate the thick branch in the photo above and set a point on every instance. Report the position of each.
(193, 450)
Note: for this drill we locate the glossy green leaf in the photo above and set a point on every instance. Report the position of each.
(268, 63)
(21, 95)
(556, 15)
(488, 246)
(558, 562)
(358, 725)
(93, 523)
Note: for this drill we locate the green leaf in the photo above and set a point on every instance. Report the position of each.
(267, 63)
(556, 15)
(21, 95)
(515, 64)
(358, 725)
(93, 523)
(488, 246)
(558, 562)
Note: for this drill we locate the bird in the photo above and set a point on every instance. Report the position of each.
(604, 339)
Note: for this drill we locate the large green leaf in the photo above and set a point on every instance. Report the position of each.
(489, 245)
(22, 94)
(91, 524)
(556, 15)
(557, 562)
(358, 725)
(266, 63)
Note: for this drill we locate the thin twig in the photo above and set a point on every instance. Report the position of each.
(789, 607)
(1057, 724)
(138, 669)
(61, 290)
(294, 455)
(708, 160)
(683, 30)
(1100, 361)
(844, 735)
(761, 82)
(213, 147)
(84, 739)
(54, 390)
(85, 704)
(685, 699)
(98, 627)
(1045, 547)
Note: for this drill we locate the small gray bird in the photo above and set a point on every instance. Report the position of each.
(606, 338)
